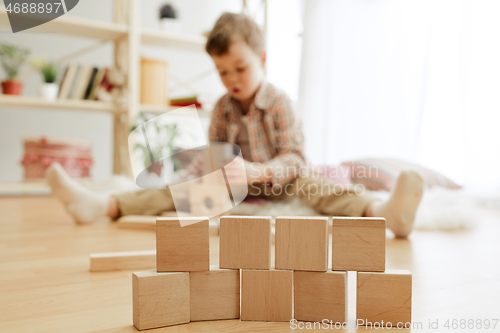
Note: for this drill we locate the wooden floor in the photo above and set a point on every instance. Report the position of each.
(46, 286)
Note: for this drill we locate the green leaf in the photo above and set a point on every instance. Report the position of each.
(12, 58)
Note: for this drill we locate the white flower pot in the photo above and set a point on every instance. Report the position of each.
(49, 91)
(170, 25)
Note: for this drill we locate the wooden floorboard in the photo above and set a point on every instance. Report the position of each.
(46, 286)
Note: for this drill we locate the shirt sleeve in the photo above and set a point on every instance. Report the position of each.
(217, 129)
(289, 142)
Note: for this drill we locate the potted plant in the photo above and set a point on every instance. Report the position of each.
(168, 19)
(167, 133)
(12, 58)
(49, 70)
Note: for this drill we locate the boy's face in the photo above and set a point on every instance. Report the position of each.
(241, 70)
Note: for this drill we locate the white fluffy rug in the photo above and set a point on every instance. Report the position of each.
(446, 209)
(440, 209)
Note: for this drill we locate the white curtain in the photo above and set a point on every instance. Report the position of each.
(412, 79)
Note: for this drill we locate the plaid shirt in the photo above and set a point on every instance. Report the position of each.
(275, 137)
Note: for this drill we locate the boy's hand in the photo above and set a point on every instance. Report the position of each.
(240, 171)
(195, 167)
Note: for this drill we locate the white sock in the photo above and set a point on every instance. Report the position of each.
(399, 211)
(83, 204)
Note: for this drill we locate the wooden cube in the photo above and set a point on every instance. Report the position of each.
(358, 244)
(215, 294)
(160, 299)
(209, 199)
(245, 242)
(384, 296)
(111, 261)
(302, 243)
(320, 295)
(266, 295)
(145, 222)
(182, 249)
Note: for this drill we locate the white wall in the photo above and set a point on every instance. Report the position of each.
(284, 45)
(196, 16)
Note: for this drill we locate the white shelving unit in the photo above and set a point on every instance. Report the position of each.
(127, 37)
(79, 27)
(68, 104)
(185, 42)
(161, 110)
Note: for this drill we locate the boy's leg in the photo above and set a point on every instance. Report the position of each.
(399, 211)
(321, 194)
(330, 199)
(145, 202)
(86, 205)
(83, 204)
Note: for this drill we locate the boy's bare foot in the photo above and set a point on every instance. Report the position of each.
(399, 211)
(83, 204)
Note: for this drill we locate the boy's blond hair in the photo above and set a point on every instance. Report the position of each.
(230, 28)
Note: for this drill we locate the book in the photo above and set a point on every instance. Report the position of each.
(81, 82)
(97, 82)
(65, 75)
(74, 81)
(67, 81)
(184, 100)
(197, 105)
(90, 83)
(62, 81)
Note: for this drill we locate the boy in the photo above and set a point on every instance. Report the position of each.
(259, 119)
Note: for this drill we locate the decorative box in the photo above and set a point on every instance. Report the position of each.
(74, 155)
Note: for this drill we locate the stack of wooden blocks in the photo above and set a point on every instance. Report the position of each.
(301, 286)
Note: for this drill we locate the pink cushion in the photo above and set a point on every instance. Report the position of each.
(338, 174)
(381, 173)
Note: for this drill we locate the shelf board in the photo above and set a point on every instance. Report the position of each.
(173, 40)
(76, 26)
(24, 189)
(164, 109)
(33, 102)
(81, 27)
